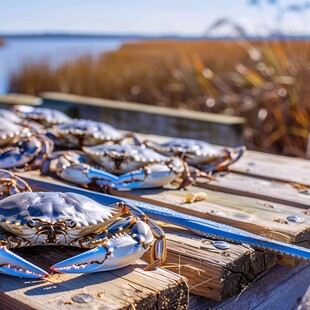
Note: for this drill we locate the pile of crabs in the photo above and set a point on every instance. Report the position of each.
(96, 155)
(99, 157)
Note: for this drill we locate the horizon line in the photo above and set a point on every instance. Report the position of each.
(272, 35)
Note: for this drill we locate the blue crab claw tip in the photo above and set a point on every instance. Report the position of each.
(83, 263)
(13, 265)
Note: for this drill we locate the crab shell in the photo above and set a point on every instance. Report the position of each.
(10, 131)
(81, 132)
(10, 116)
(64, 217)
(44, 116)
(123, 158)
(195, 152)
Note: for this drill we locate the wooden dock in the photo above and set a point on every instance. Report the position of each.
(220, 274)
(260, 194)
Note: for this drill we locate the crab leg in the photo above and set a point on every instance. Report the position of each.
(230, 156)
(119, 251)
(47, 146)
(84, 174)
(13, 265)
(12, 184)
(11, 156)
(159, 252)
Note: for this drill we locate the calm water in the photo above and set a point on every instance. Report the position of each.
(18, 51)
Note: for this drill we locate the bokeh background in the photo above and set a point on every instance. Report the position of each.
(243, 58)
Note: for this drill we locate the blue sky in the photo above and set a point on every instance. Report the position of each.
(187, 17)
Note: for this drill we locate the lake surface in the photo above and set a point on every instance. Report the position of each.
(18, 51)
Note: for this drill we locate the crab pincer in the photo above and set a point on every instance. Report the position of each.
(14, 265)
(117, 250)
(114, 253)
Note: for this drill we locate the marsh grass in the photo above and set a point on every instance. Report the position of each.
(264, 81)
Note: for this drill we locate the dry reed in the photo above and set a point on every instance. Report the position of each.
(264, 81)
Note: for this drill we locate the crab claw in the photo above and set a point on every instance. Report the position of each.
(13, 265)
(117, 252)
(153, 175)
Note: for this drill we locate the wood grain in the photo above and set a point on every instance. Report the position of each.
(274, 167)
(211, 272)
(280, 288)
(269, 190)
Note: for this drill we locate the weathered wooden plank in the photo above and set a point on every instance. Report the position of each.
(211, 272)
(251, 214)
(269, 190)
(216, 128)
(305, 302)
(274, 167)
(10, 303)
(280, 288)
(127, 288)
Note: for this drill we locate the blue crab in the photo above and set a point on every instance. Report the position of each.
(199, 154)
(123, 158)
(118, 234)
(121, 167)
(27, 125)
